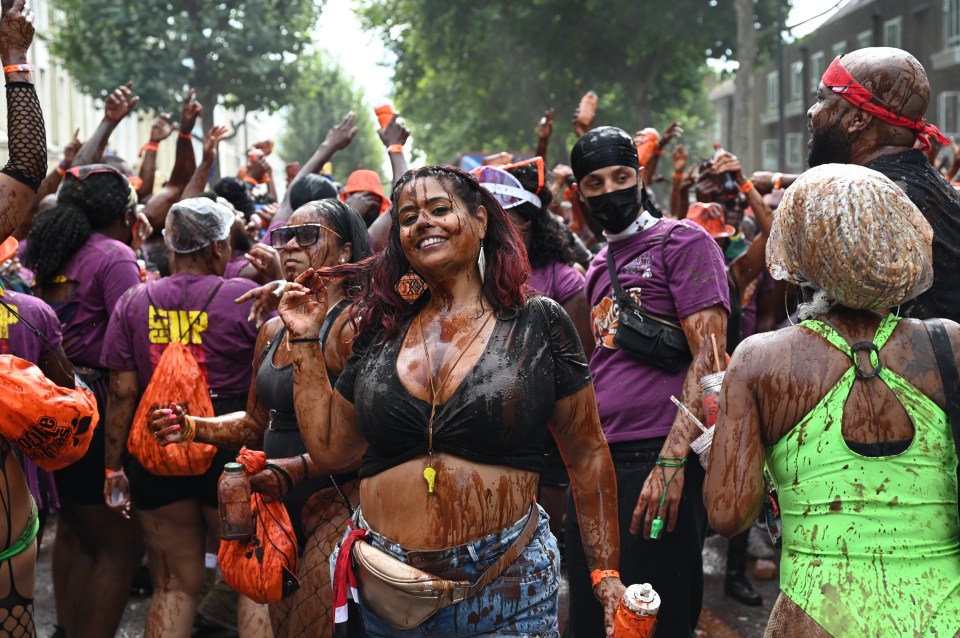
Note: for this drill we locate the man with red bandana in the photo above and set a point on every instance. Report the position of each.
(869, 111)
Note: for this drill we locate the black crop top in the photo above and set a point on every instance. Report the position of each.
(496, 416)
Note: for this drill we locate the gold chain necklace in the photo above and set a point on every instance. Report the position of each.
(429, 473)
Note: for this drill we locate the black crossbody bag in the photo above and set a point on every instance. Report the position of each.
(657, 340)
(949, 377)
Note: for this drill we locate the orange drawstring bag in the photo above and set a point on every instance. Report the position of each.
(176, 379)
(51, 424)
(264, 568)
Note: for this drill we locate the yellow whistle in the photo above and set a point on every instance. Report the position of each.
(430, 475)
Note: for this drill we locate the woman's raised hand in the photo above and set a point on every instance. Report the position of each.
(304, 305)
(16, 33)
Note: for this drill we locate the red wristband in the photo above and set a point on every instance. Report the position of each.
(113, 473)
(746, 187)
(395, 148)
(184, 136)
(18, 68)
(599, 574)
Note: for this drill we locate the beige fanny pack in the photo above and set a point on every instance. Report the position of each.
(406, 597)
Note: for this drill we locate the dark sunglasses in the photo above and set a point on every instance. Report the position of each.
(306, 235)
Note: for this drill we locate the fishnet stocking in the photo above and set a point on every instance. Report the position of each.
(309, 611)
(787, 620)
(26, 135)
(17, 622)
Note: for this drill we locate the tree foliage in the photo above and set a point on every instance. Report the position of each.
(320, 98)
(239, 53)
(477, 76)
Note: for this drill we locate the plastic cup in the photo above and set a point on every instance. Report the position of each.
(710, 386)
(384, 114)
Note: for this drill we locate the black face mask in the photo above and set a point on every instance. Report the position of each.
(615, 210)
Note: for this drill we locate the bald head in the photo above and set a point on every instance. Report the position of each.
(892, 75)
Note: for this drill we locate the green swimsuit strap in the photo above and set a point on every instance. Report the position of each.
(884, 330)
(27, 537)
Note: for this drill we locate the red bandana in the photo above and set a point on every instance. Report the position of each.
(842, 83)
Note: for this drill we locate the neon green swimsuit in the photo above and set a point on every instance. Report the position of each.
(870, 544)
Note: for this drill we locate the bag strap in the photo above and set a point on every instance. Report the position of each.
(493, 572)
(948, 376)
(72, 372)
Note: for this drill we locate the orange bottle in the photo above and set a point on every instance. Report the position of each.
(637, 614)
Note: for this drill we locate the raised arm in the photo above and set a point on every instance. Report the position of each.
(680, 184)
(117, 106)
(49, 185)
(338, 138)
(183, 167)
(544, 131)
(394, 135)
(748, 267)
(198, 182)
(26, 137)
(162, 129)
(328, 422)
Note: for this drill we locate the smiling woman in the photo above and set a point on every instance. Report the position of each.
(448, 396)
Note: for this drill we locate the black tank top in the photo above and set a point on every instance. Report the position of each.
(275, 385)
(496, 416)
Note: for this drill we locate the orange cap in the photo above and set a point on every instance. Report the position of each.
(710, 217)
(365, 180)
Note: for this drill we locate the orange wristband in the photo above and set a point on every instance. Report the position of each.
(746, 187)
(184, 136)
(395, 148)
(18, 68)
(149, 146)
(777, 181)
(599, 574)
(113, 473)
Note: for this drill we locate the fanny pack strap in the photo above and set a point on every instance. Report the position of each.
(513, 552)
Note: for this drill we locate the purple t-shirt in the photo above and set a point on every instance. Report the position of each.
(556, 281)
(102, 270)
(234, 266)
(220, 338)
(634, 396)
(16, 338)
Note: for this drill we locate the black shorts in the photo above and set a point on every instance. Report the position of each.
(149, 491)
(82, 482)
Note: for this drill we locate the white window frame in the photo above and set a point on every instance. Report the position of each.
(794, 157)
(773, 90)
(895, 22)
(951, 23)
(944, 103)
(769, 155)
(865, 39)
(796, 81)
(817, 67)
(838, 49)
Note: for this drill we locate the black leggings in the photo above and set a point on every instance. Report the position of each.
(673, 564)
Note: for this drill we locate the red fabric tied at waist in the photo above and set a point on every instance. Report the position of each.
(837, 79)
(344, 576)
